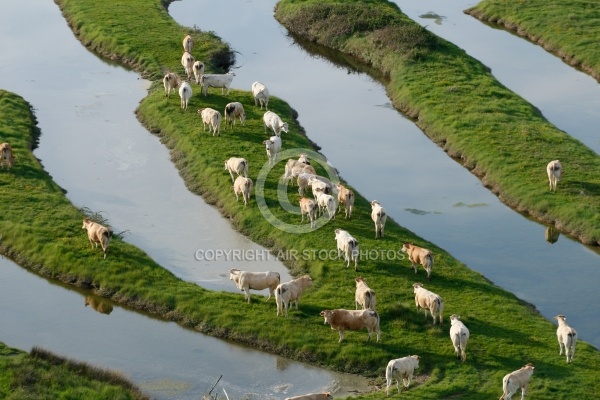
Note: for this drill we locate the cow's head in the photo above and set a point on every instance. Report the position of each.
(406, 247)
(416, 286)
(327, 314)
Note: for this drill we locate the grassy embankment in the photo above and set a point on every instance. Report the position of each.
(42, 375)
(569, 29)
(506, 332)
(457, 102)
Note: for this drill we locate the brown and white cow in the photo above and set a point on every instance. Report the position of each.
(243, 186)
(401, 368)
(567, 337)
(312, 396)
(97, 234)
(341, 319)
(419, 255)
(429, 301)
(516, 380)
(246, 280)
(345, 196)
(364, 295)
(7, 158)
(308, 207)
(289, 292)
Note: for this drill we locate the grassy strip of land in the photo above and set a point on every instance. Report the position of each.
(458, 103)
(569, 29)
(506, 333)
(43, 375)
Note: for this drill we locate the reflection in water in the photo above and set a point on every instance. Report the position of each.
(435, 17)
(552, 234)
(99, 304)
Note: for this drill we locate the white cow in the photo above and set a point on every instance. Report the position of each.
(273, 146)
(275, 123)
(364, 295)
(379, 216)
(232, 111)
(238, 165)
(347, 245)
(7, 157)
(429, 301)
(346, 197)
(567, 337)
(212, 119)
(419, 255)
(293, 168)
(260, 94)
(188, 43)
(516, 380)
(187, 61)
(308, 207)
(185, 93)
(326, 202)
(243, 186)
(290, 292)
(554, 171)
(459, 334)
(401, 368)
(222, 81)
(198, 69)
(97, 233)
(341, 319)
(247, 280)
(170, 82)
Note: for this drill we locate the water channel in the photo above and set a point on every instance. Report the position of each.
(83, 103)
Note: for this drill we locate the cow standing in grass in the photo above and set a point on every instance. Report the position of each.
(97, 234)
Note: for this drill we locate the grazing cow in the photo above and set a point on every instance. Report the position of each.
(97, 234)
(185, 93)
(171, 81)
(7, 158)
(419, 255)
(459, 334)
(246, 280)
(188, 43)
(308, 207)
(429, 301)
(290, 292)
(243, 186)
(260, 94)
(232, 111)
(198, 69)
(554, 171)
(346, 197)
(212, 119)
(238, 165)
(222, 81)
(341, 319)
(293, 168)
(347, 245)
(364, 295)
(307, 178)
(320, 184)
(274, 122)
(99, 304)
(187, 62)
(516, 380)
(273, 146)
(401, 368)
(567, 337)
(379, 216)
(326, 202)
(312, 396)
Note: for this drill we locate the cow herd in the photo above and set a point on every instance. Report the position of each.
(328, 198)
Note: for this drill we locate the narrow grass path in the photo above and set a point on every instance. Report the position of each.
(569, 29)
(506, 332)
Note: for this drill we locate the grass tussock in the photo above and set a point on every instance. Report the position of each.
(506, 332)
(44, 375)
